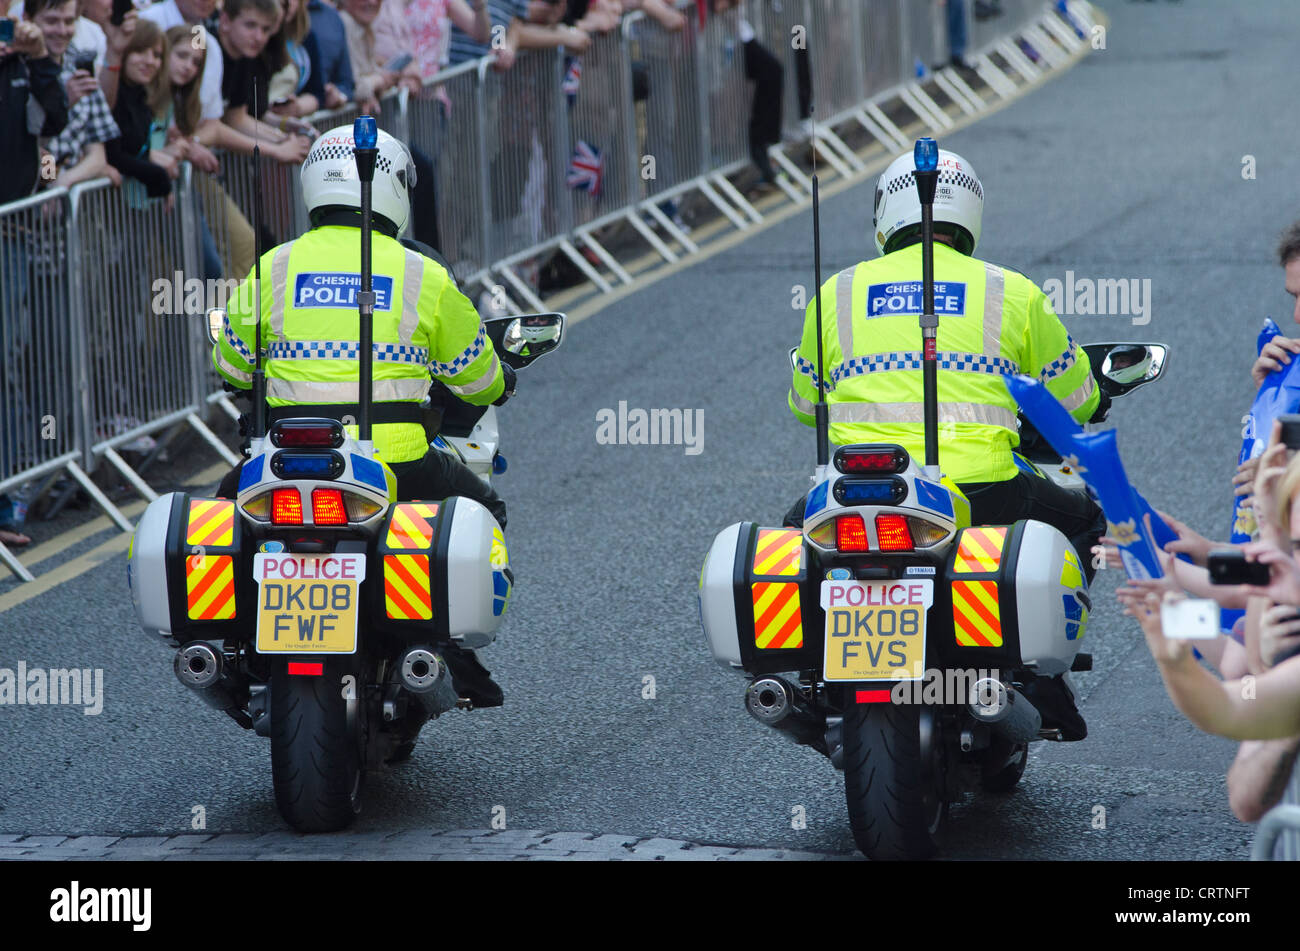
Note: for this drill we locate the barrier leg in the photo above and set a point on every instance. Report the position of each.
(10, 561)
(741, 201)
(111, 510)
(583, 265)
(211, 438)
(606, 258)
(130, 475)
(665, 252)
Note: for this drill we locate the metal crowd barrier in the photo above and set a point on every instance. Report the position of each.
(555, 153)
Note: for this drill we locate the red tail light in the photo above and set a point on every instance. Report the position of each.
(851, 534)
(894, 533)
(286, 507)
(873, 459)
(327, 507)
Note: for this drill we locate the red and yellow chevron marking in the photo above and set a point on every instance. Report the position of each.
(976, 617)
(212, 522)
(777, 621)
(406, 587)
(980, 550)
(210, 587)
(779, 551)
(410, 528)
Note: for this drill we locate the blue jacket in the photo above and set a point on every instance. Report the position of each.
(327, 47)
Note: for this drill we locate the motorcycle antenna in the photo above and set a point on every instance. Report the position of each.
(821, 410)
(365, 137)
(259, 375)
(926, 155)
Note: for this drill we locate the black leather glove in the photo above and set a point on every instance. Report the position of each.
(1103, 407)
(509, 391)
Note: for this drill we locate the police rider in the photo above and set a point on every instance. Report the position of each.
(423, 325)
(993, 321)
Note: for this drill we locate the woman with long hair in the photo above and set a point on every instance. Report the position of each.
(290, 66)
(142, 99)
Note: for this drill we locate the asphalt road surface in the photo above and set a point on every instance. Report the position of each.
(1129, 166)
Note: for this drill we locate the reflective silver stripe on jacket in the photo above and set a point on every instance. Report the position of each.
(844, 309)
(319, 391)
(230, 370)
(801, 404)
(994, 297)
(479, 385)
(1079, 396)
(978, 413)
(279, 288)
(412, 278)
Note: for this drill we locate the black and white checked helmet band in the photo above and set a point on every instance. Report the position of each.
(329, 176)
(958, 200)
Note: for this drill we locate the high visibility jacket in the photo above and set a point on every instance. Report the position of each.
(992, 322)
(311, 331)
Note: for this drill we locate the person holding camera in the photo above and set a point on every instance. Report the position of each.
(1270, 710)
(78, 150)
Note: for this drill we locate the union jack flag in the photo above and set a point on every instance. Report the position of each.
(572, 78)
(586, 168)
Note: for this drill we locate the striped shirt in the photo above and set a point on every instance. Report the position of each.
(501, 12)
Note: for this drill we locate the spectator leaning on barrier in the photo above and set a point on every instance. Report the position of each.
(372, 79)
(109, 43)
(79, 149)
(330, 80)
(32, 104)
(426, 26)
(28, 75)
(290, 64)
(142, 101)
(244, 30)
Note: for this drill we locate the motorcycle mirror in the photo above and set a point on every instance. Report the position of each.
(216, 317)
(1120, 368)
(794, 358)
(521, 340)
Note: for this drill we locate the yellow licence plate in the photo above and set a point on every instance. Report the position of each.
(875, 630)
(307, 604)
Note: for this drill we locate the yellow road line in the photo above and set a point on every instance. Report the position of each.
(66, 572)
(88, 560)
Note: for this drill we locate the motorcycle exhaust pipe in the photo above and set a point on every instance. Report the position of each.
(1006, 711)
(199, 666)
(426, 675)
(775, 702)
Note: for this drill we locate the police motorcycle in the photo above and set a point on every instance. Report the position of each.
(890, 634)
(315, 608)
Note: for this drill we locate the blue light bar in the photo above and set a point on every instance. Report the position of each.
(296, 464)
(870, 491)
(365, 132)
(926, 154)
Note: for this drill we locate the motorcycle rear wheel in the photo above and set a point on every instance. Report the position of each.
(895, 807)
(317, 765)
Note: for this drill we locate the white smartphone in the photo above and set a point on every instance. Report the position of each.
(1191, 619)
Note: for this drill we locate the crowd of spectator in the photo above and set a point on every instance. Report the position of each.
(1256, 699)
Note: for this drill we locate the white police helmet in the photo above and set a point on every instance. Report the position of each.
(958, 203)
(1128, 364)
(329, 176)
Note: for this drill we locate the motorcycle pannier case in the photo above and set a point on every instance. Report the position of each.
(1016, 594)
(185, 571)
(443, 571)
(759, 600)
